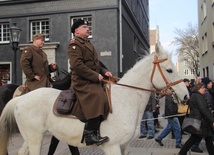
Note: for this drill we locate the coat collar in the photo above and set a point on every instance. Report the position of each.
(86, 42)
(38, 50)
(81, 40)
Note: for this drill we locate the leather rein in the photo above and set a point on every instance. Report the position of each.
(162, 92)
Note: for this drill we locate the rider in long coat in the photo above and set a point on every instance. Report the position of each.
(86, 82)
(35, 65)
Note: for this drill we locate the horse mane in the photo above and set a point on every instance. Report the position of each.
(143, 65)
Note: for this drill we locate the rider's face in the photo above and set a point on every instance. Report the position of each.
(82, 31)
(39, 42)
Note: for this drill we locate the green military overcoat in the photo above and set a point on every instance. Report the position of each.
(34, 62)
(84, 64)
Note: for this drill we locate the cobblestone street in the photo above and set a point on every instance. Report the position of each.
(137, 147)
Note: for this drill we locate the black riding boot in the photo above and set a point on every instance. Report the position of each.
(98, 134)
(91, 132)
(91, 137)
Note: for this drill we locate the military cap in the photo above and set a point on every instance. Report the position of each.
(38, 36)
(78, 23)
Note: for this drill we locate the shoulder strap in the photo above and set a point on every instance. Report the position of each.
(187, 111)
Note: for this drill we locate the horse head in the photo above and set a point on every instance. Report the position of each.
(165, 76)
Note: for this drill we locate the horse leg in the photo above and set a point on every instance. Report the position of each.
(53, 145)
(112, 150)
(35, 143)
(24, 150)
(123, 150)
(74, 150)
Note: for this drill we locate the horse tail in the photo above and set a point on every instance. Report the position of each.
(7, 125)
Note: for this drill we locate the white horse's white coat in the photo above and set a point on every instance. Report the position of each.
(34, 116)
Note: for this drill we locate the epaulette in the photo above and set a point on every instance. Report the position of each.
(72, 41)
(25, 48)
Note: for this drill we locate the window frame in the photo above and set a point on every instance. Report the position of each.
(2, 32)
(186, 72)
(10, 71)
(41, 30)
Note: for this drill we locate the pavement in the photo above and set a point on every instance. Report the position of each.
(137, 147)
(151, 147)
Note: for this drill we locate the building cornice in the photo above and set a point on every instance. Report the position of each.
(49, 45)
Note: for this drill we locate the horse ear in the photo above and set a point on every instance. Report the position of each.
(156, 48)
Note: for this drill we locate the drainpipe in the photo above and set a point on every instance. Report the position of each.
(120, 36)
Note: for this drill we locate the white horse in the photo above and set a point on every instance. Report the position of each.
(34, 116)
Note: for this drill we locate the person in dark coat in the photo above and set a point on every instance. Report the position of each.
(34, 64)
(199, 109)
(87, 74)
(209, 101)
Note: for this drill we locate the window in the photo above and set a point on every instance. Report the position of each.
(204, 72)
(192, 71)
(4, 33)
(5, 71)
(203, 45)
(204, 7)
(185, 71)
(213, 34)
(206, 42)
(89, 19)
(207, 71)
(40, 26)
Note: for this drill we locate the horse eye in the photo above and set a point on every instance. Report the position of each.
(169, 70)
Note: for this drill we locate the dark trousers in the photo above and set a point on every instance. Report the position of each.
(53, 146)
(196, 145)
(181, 119)
(155, 115)
(192, 140)
(93, 124)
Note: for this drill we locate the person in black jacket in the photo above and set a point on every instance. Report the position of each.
(209, 101)
(199, 109)
(173, 124)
